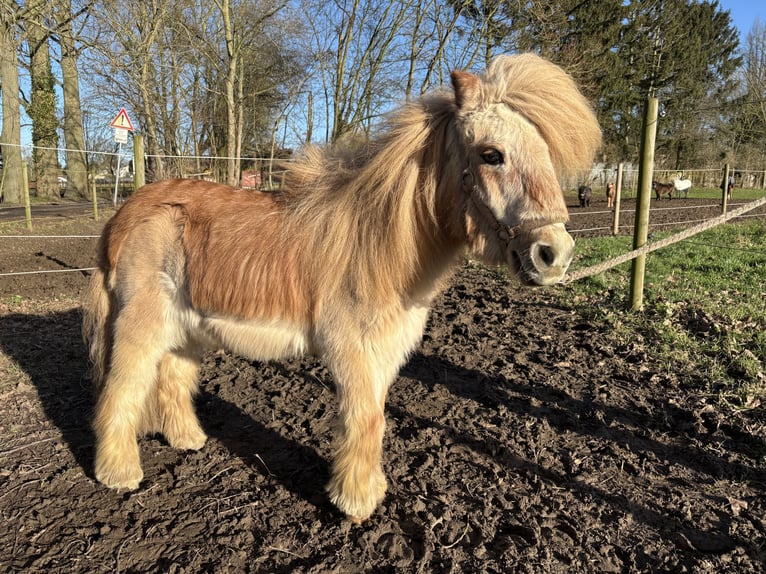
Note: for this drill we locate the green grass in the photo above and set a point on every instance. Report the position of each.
(704, 305)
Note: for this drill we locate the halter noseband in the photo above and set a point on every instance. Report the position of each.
(505, 233)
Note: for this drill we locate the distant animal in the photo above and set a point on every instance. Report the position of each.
(584, 194)
(729, 187)
(682, 186)
(661, 189)
(611, 192)
(343, 262)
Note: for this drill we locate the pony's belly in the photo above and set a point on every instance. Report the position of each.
(261, 340)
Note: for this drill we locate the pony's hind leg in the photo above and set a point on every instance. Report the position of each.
(121, 409)
(174, 401)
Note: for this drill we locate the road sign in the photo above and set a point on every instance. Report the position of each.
(122, 121)
(122, 125)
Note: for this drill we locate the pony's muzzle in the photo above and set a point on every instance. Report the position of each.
(542, 255)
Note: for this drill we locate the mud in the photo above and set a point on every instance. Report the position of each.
(521, 437)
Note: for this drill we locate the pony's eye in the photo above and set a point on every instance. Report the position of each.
(492, 157)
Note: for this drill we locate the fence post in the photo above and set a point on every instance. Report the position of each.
(641, 230)
(725, 187)
(93, 194)
(617, 194)
(139, 173)
(25, 191)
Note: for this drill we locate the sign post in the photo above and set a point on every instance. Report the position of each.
(122, 125)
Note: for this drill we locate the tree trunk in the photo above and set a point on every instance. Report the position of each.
(42, 108)
(10, 180)
(233, 54)
(76, 165)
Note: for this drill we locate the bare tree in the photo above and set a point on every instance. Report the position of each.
(751, 124)
(356, 45)
(10, 138)
(76, 164)
(42, 105)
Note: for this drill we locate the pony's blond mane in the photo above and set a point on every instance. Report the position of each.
(366, 206)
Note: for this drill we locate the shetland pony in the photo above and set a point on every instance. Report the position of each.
(661, 189)
(344, 262)
(584, 193)
(610, 194)
(682, 186)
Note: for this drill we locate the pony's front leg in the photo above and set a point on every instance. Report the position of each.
(364, 367)
(358, 484)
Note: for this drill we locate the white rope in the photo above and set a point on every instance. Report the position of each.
(49, 236)
(649, 247)
(13, 273)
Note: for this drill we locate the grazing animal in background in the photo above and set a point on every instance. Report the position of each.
(344, 262)
(661, 189)
(611, 192)
(682, 186)
(584, 193)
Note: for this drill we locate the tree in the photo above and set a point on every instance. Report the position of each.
(750, 106)
(681, 51)
(42, 103)
(203, 78)
(10, 138)
(76, 162)
(352, 42)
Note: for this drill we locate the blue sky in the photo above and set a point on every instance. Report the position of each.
(744, 13)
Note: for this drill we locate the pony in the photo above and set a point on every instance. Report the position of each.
(728, 186)
(682, 186)
(344, 262)
(611, 193)
(584, 193)
(661, 189)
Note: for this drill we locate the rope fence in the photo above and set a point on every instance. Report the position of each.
(671, 239)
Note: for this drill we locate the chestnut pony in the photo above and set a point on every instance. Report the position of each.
(344, 262)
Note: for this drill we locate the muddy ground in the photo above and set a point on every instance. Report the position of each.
(521, 437)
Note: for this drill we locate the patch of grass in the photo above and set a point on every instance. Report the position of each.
(704, 312)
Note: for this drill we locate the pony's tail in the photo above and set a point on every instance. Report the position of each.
(97, 327)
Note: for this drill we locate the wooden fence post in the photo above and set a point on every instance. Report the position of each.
(617, 194)
(139, 173)
(25, 191)
(641, 229)
(725, 187)
(93, 194)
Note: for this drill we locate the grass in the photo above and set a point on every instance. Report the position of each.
(704, 311)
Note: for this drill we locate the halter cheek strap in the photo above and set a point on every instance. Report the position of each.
(505, 233)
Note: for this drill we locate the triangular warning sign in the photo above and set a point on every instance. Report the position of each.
(122, 121)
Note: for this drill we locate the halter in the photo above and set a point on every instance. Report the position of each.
(505, 233)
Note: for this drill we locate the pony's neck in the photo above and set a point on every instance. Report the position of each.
(386, 217)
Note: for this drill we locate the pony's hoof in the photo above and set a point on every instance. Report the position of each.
(192, 441)
(356, 503)
(123, 479)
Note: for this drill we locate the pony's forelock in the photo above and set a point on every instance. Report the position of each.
(548, 98)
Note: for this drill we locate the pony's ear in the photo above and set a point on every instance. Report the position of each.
(466, 87)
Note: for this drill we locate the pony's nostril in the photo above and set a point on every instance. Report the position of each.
(547, 255)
